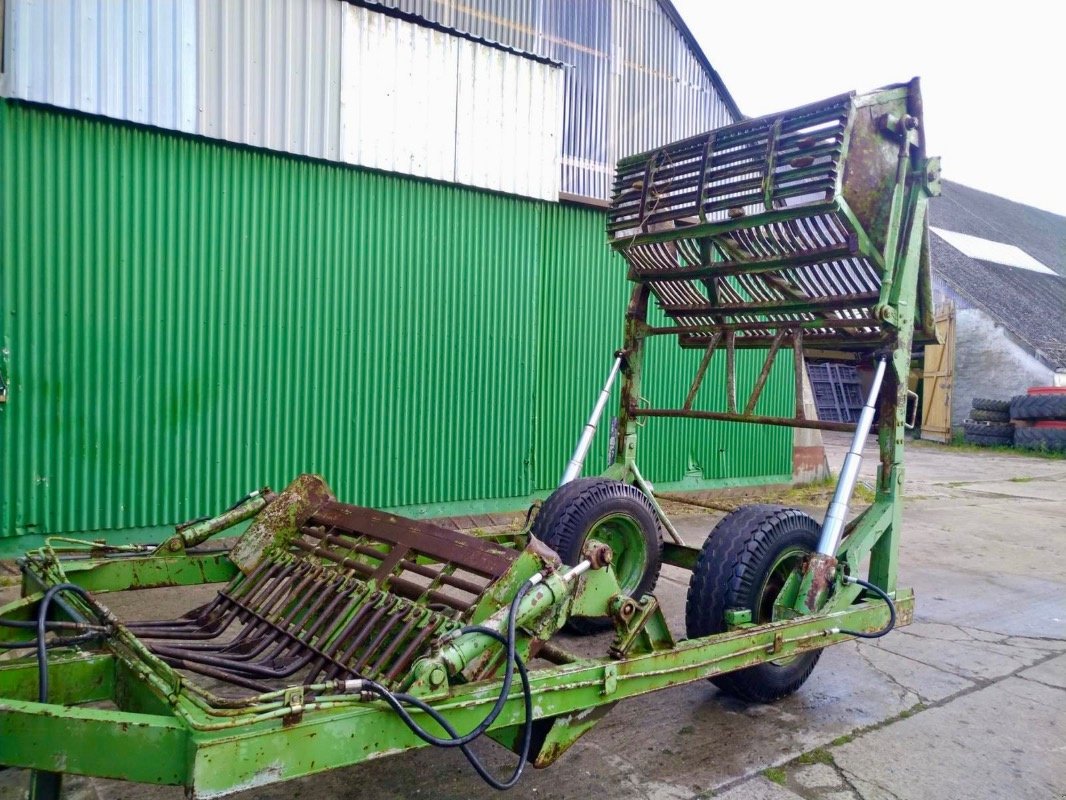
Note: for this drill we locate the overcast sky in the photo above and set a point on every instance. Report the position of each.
(992, 75)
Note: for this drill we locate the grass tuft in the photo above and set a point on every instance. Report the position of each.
(775, 774)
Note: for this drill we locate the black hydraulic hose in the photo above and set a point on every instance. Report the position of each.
(32, 644)
(398, 701)
(891, 610)
(42, 628)
(505, 689)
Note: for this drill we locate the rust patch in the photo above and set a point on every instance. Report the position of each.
(279, 523)
(821, 569)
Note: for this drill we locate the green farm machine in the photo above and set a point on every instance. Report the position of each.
(340, 633)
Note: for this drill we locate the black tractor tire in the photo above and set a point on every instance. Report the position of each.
(620, 514)
(987, 404)
(1001, 429)
(1053, 440)
(988, 441)
(1038, 406)
(742, 565)
(978, 415)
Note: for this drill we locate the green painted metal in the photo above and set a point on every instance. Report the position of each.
(214, 747)
(248, 748)
(182, 320)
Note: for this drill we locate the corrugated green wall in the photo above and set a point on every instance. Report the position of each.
(184, 320)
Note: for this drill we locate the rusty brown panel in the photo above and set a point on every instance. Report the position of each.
(870, 170)
(469, 552)
(279, 523)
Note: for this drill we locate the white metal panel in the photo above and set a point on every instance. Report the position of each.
(426, 103)
(397, 100)
(270, 74)
(128, 59)
(509, 122)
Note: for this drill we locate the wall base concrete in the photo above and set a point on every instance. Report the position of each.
(809, 463)
(989, 363)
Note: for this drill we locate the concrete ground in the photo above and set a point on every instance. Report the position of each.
(968, 702)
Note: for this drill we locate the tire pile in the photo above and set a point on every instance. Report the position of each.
(989, 423)
(1040, 419)
(1032, 421)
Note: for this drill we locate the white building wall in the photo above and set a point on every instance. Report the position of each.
(989, 363)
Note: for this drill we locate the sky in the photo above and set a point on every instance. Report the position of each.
(992, 75)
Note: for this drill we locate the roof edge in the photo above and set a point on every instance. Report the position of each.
(686, 33)
(417, 19)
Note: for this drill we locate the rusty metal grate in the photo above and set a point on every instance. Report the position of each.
(360, 593)
(704, 178)
(763, 226)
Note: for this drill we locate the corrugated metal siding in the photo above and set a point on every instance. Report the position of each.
(398, 95)
(269, 74)
(134, 60)
(318, 78)
(181, 321)
(185, 321)
(583, 293)
(633, 82)
(508, 121)
(426, 103)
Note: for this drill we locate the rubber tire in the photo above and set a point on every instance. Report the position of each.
(1038, 406)
(731, 569)
(987, 404)
(1050, 439)
(988, 441)
(571, 511)
(989, 416)
(1001, 429)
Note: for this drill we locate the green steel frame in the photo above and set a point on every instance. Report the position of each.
(117, 710)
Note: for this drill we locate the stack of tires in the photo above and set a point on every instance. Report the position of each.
(1039, 418)
(989, 423)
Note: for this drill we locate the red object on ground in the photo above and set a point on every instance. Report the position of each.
(1050, 423)
(1046, 390)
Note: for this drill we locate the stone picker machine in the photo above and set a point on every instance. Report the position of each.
(341, 633)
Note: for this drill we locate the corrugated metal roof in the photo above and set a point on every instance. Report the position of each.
(1028, 303)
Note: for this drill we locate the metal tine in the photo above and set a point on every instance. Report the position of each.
(382, 608)
(403, 661)
(217, 674)
(247, 648)
(200, 616)
(326, 595)
(356, 626)
(354, 636)
(391, 621)
(268, 594)
(210, 629)
(383, 659)
(216, 628)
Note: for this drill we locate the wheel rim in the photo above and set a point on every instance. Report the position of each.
(625, 537)
(787, 561)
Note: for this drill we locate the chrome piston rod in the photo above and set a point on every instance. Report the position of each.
(577, 460)
(837, 515)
